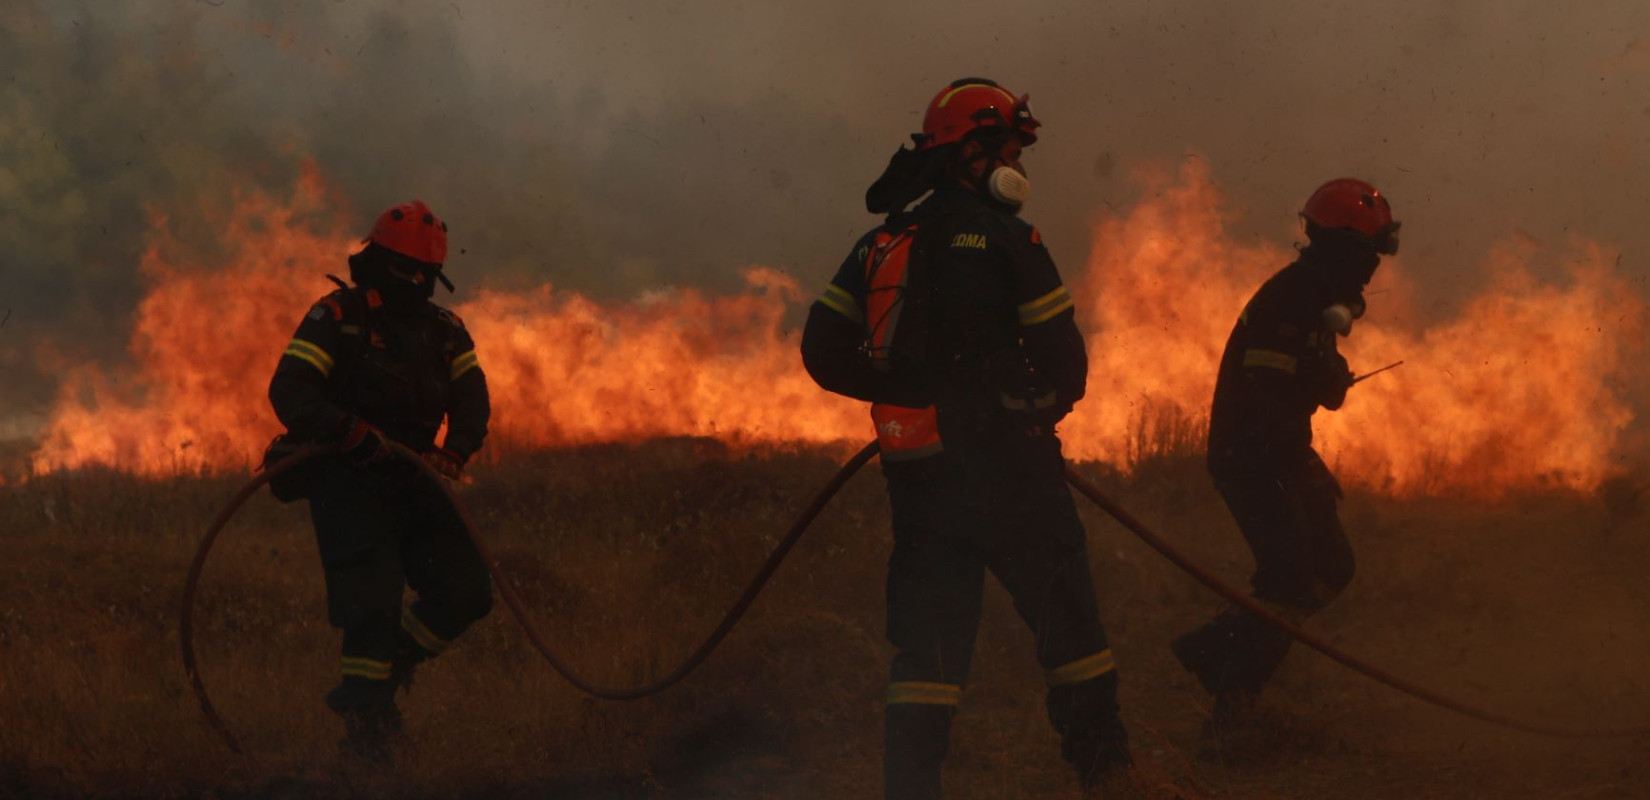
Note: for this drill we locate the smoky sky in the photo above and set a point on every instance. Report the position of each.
(610, 147)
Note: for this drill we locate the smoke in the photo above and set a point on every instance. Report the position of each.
(617, 146)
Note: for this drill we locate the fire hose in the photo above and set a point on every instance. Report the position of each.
(771, 565)
(505, 589)
(1249, 604)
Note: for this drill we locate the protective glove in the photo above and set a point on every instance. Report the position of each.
(362, 444)
(1025, 393)
(1335, 379)
(446, 462)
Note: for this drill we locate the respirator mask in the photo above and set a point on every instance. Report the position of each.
(1339, 317)
(1008, 186)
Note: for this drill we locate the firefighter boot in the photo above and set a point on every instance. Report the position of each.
(1229, 726)
(408, 655)
(1103, 763)
(916, 738)
(372, 723)
(1203, 651)
(1117, 783)
(1235, 652)
(1092, 737)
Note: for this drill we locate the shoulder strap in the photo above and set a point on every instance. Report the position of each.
(355, 324)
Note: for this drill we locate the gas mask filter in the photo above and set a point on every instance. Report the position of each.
(1339, 317)
(1008, 186)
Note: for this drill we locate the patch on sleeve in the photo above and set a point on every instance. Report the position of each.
(1036, 236)
(319, 312)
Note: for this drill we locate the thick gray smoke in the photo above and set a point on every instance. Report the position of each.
(613, 146)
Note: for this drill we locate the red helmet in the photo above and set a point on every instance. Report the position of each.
(412, 230)
(1353, 205)
(973, 103)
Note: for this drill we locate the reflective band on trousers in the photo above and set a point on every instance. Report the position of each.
(366, 668)
(920, 693)
(421, 634)
(1271, 359)
(1086, 668)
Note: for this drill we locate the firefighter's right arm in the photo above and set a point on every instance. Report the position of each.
(1049, 336)
(1327, 375)
(833, 342)
(1290, 362)
(298, 392)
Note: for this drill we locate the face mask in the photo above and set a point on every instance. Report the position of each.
(1339, 317)
(1009, 187)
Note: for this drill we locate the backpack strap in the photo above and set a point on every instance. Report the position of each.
(355, 323)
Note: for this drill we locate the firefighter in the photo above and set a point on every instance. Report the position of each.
(1280, 366)
(951, 319)
(373, 363)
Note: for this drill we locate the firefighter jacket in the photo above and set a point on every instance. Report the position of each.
(1280, 365)
(402, 370)
(952, 321)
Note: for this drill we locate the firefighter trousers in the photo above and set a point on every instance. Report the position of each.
(1302, 562)
(379, 531)
(955, 517)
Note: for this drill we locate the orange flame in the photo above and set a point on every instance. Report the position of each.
(1519, 390)
(201, 348)
(569, 371)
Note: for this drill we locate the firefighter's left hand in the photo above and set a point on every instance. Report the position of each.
(446, 462)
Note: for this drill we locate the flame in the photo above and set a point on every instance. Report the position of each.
(569, 371)
(562, 369)
(1519, 389)
(201, 345)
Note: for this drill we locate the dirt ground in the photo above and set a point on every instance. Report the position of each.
(1535, 605)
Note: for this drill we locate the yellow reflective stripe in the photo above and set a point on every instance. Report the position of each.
(933, 694)
(1046, 307)
(465, 362)
(1270, 359)
(313, 349)
(842, 302)
(303, 356)
(367, 668)
(421, 634)
(1086, 668)
(311, 352)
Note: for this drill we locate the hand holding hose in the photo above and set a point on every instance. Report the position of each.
(446, 463)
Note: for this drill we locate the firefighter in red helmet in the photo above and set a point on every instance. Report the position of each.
(951, 319)
(1281, 365)
(371, 363)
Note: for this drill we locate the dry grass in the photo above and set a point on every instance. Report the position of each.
(627, 555)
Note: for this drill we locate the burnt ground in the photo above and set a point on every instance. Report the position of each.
(1533, 605)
